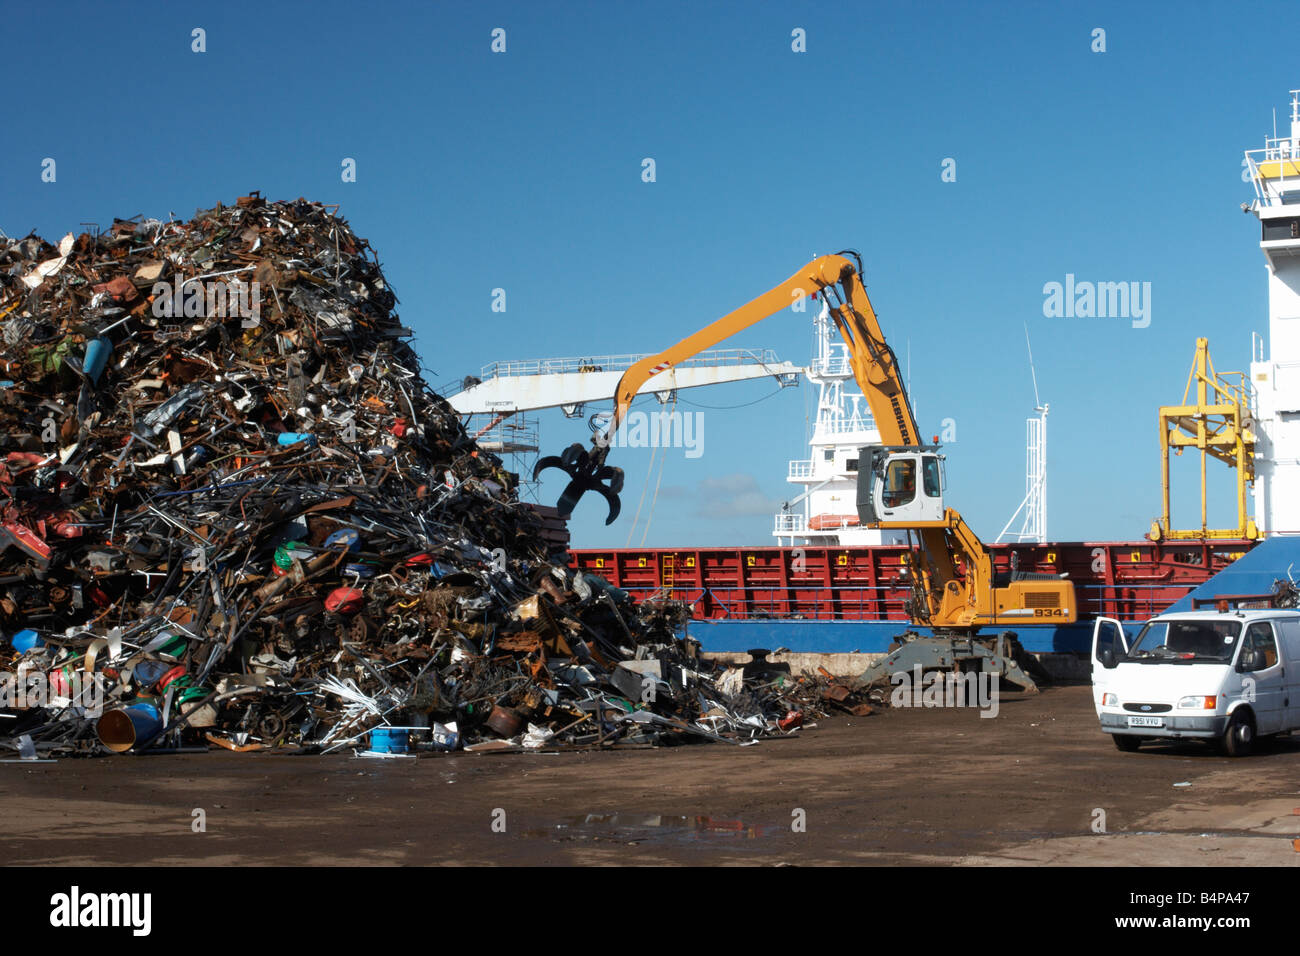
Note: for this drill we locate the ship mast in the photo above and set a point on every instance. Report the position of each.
(825, 511)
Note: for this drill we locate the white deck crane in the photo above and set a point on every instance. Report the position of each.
(507, 390)
(570, 383)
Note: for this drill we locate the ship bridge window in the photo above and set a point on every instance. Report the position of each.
(828, 454)
(851, 464)
(1281, 229)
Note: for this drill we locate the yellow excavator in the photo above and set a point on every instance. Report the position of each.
(955, 590)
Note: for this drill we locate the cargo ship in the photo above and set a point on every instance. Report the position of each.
(830, 585)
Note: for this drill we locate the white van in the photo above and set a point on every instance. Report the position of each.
(1223, 676)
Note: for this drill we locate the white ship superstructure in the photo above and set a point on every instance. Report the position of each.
(1275, 172)
(825, 511)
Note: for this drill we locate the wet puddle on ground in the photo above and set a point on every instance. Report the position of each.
(662, 829)
(636, 828)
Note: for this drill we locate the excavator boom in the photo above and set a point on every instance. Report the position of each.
(871, 357)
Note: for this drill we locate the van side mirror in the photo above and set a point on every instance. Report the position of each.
(1107, 657)
(1249, 661)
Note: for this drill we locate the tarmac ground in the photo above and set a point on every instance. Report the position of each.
(1039, 784)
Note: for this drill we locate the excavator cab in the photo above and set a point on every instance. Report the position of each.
(903, 485)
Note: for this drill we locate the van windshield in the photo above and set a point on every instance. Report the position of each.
(1212, 641)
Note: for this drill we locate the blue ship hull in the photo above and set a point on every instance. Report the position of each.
(867, 637)
(1254, 573)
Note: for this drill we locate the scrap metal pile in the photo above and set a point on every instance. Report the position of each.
(233, 513)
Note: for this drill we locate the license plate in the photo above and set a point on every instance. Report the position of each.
(1146, 721)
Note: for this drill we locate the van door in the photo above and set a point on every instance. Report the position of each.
(1288, 636)
(1107, 634)
(1264, 680)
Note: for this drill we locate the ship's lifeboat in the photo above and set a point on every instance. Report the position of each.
(831, 522)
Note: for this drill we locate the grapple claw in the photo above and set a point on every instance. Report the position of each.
(587, 471)
(550, 461)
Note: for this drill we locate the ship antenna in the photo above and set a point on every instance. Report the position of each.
(1032, 374)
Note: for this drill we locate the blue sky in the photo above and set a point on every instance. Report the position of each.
(522, 171)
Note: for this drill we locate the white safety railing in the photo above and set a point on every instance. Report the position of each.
(1279, 153)
(620, 363)
(838, 426)
(831, 367)
(801, 468)
(791, 524)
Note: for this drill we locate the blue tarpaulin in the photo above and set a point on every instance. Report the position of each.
(1252, 573)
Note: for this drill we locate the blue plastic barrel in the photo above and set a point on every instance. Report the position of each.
(120, 730)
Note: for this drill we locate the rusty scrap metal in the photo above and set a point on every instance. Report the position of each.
(230, 502)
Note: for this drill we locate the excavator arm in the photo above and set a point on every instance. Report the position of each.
(873, 361)
(874, 365)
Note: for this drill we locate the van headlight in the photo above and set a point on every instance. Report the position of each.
(1197, 703)
(1109, 700)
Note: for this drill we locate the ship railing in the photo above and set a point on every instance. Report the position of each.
(808, 601)
(791, 524)
(801, 468)
(1277, 150)
(1127, 602)
(832, 366)
(847, 423)
(620, 363)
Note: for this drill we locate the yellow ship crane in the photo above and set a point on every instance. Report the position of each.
(1215, 419)
(900, 481)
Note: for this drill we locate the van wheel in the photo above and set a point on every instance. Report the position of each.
(1127, 742)
(1239, 737)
